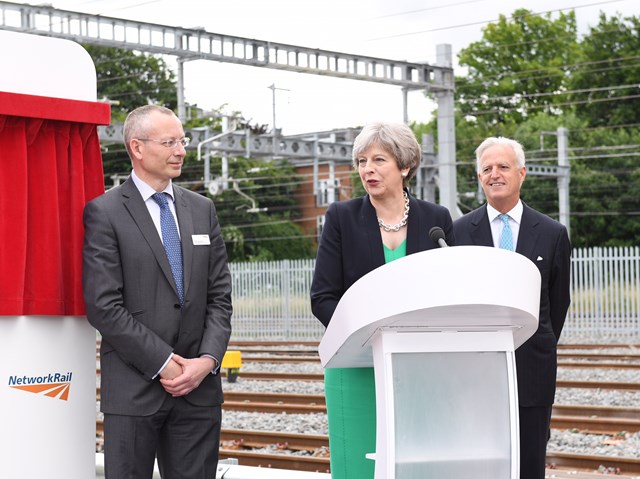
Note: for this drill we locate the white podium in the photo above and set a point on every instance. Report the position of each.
(440, 328)
(48, 132)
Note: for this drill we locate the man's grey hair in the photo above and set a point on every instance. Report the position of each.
(137, 123)
(501, 140)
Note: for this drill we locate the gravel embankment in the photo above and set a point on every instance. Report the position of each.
(624, 445)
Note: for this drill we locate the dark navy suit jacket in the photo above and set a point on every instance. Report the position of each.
(546, 243)
(351, 246)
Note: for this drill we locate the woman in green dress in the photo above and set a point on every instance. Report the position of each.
(358, 236)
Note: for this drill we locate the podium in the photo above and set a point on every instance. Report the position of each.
(440, 329)
(51, 153)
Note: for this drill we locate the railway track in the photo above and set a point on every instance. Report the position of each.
(310, 356)
(276, 376)
(596, 419)
(320, 463)
(306, 452)
(591, 419)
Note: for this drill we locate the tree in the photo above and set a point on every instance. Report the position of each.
(530, 75)
(605, 83)
(269, 232)
(518, 67)
(129, 79)
(606, 98)
(605, 174)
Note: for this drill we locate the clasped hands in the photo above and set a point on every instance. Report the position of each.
(181, 376)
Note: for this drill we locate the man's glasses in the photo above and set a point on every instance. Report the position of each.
(170, 143)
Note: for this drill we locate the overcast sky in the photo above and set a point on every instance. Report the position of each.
(392, 29)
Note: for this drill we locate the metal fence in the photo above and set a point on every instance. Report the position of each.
(605, 294)
(271, 299)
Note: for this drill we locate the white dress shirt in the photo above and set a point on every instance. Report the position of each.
(515, 218)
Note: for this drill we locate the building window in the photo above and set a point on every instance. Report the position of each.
(327, 192)
(319, 226)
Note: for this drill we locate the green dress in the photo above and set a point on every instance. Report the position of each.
(351, 412)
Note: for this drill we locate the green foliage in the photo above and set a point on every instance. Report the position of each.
(357, 189)
(605, 205)
(260, 235)
(610, 72)
(530, 75)
(516, 66)
(129, 79)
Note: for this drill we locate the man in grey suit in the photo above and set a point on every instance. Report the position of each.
(158, 289)
(506, 221)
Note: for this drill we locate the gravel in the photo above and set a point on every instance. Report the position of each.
(315, 423)
(599, 374)
(283, 387)
(597, 397)
(622, 445)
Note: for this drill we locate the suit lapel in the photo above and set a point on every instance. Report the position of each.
(369, 224)
(185, 222)
(480, 230)
(138, 210)
(413, 228)
(528, 235)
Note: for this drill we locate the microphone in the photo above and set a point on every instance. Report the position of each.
(437, 236)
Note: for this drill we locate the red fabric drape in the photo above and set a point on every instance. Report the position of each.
(52, 168)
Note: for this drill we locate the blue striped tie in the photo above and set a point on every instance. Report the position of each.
(171, 241)
(506, 237)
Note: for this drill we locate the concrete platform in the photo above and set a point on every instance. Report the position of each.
(229, 469)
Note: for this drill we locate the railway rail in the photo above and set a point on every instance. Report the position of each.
(307, 452)
(271, 376)
(591, 419)
(248, 357)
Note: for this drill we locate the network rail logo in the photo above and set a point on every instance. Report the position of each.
(55, 385)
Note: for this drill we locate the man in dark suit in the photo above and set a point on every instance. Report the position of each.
(501, 172)
(158, 289)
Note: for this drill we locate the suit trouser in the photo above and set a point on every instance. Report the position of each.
(185, 438)
(534, 435)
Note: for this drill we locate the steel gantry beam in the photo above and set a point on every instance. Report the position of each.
(197, 44)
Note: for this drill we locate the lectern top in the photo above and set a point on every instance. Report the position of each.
(446, 289)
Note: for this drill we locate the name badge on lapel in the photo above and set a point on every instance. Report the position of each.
(199, 240)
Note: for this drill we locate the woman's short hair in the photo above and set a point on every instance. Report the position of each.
(395, 138)
(501, 140)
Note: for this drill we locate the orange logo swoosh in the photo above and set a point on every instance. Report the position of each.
(54, 390)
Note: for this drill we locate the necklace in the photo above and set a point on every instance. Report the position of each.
(403, 221)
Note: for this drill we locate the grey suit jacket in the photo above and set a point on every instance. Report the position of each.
(546, 243)
(132, 301)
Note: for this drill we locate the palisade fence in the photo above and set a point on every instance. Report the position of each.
(605, 294)
(271, 299)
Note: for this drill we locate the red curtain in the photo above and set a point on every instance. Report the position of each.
(52, 167)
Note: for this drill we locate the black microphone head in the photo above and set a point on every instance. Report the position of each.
(436, 233)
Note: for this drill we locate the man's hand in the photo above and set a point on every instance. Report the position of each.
(171, 370)
(193, 371)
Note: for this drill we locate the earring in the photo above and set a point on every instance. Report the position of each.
(404, 175)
